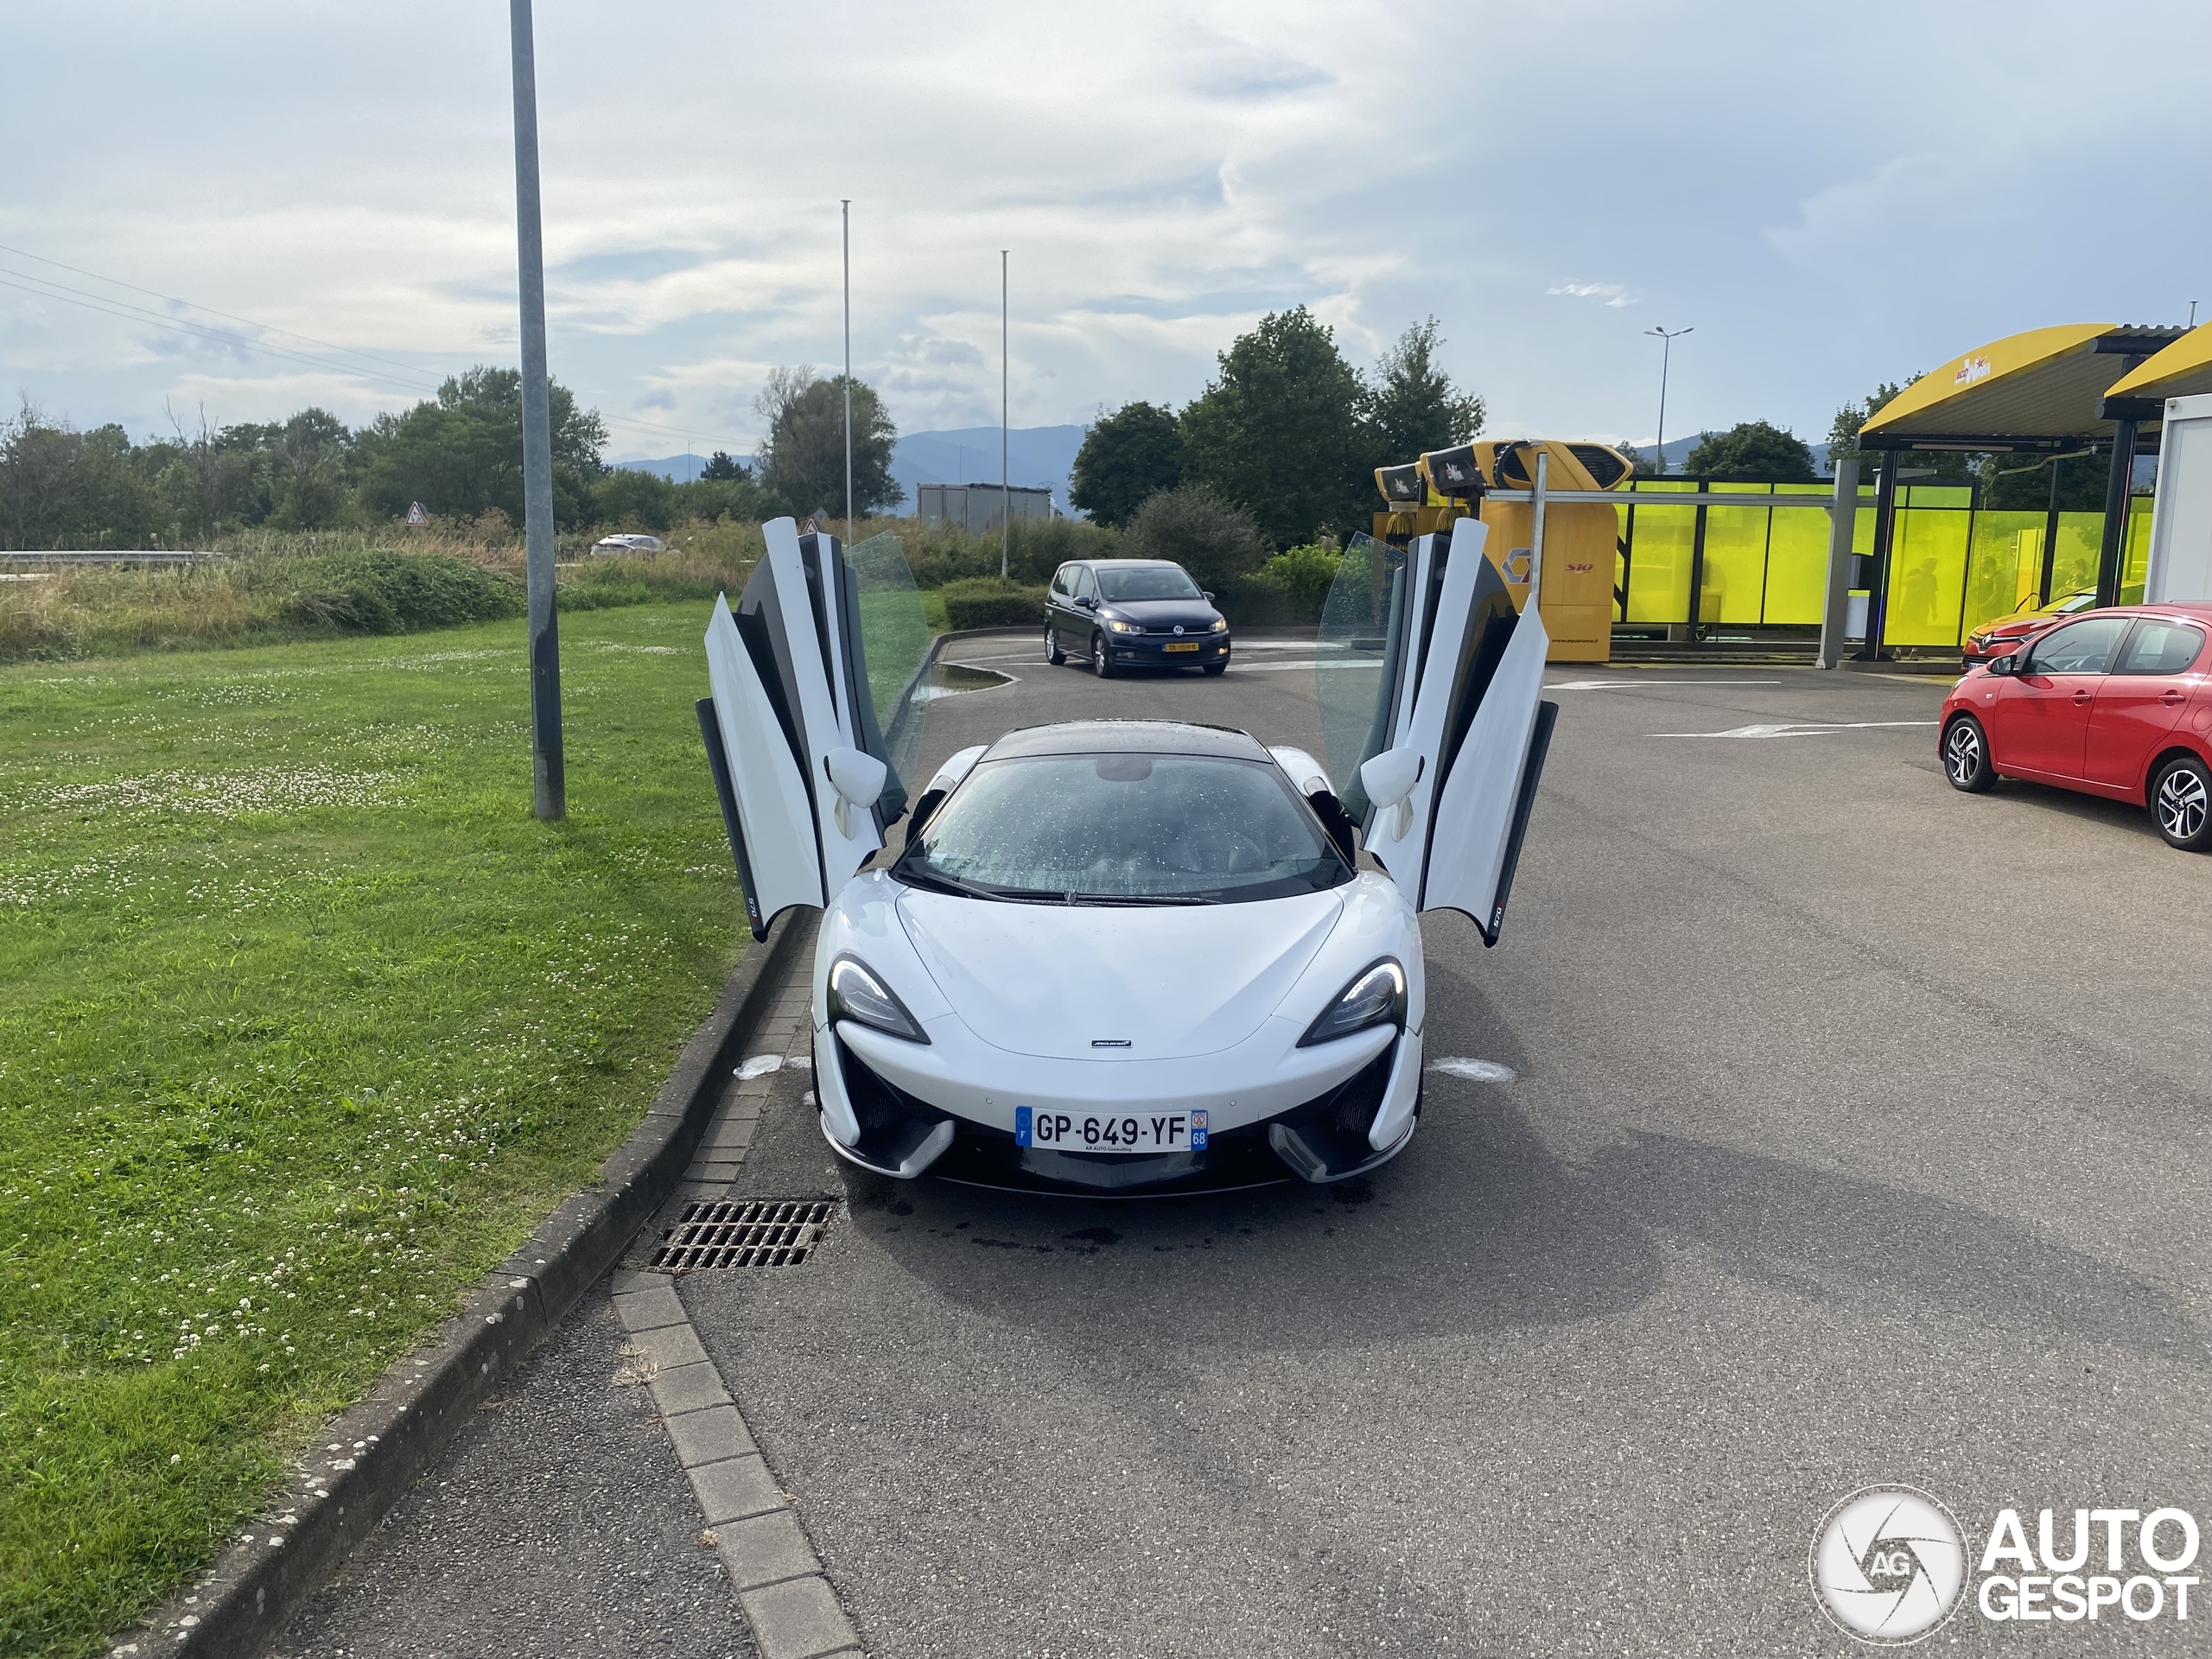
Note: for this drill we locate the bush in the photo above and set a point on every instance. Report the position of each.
(1218, 542)
(986, 602)
(390, 592)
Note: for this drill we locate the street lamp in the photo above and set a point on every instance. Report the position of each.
(1666, 354)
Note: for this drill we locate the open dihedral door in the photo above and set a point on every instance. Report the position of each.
(1422, 660)
(821, 663)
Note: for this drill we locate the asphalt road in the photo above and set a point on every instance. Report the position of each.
(1857, 1135)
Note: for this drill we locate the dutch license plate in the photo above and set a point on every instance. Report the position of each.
(1109, 1132)
(1182, 645)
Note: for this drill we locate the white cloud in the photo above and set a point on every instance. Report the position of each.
(1826, 211)
(1614, 294)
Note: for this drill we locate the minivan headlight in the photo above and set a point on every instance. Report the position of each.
(1376, 996)
(858, 993)
(1125, 627)
(1221, 624)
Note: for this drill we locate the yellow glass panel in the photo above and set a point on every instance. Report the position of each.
(2074, 568)
(1928, 568)
(1659, 568)
(2005, 565)
(2135, 550)
(1797, 559)
(1735, 559)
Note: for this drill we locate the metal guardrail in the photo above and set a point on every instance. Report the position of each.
(142, 556)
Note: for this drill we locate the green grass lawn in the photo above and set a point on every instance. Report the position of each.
(304, 1023)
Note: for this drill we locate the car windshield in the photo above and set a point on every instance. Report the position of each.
(1147, 581)
(1123, 829)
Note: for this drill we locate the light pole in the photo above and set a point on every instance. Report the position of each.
(1666, 354)
(548, 775)
(846, 204)
(1006, 496)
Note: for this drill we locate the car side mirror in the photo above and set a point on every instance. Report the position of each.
(1206, 596)
(1087, 602)
(858, 778)
(1388, 779)
(2003, 667)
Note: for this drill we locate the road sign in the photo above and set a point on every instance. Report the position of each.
(416, 517)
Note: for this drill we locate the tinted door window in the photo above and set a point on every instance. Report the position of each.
(1086, 585)
(1060, 582)
(2161, 647)
(2082, 647)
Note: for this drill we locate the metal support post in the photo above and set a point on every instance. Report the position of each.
(1536, 535)
(2116, 486)
(547, 770)
(1878, 584)
(1843, 524)
(846, 205)
(1006, 496)
(2050, 539)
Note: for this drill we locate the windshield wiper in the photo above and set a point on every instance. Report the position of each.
(937, 881)
(1139, 898)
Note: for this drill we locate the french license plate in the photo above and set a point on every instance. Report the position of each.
(1181, 645)
(1109, 1132)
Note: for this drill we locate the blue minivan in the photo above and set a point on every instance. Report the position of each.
(1121, 613)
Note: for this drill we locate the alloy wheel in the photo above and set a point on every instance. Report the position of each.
(1962, 752)
(2183, 803)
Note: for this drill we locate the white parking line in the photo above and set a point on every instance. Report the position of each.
(1802, 729)
(1624, 685)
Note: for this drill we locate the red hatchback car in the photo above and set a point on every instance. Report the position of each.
(2115, 702)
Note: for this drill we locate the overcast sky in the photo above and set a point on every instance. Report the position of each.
(1829, 198)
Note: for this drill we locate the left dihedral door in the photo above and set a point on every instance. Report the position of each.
(1422, 658)
(824, 654)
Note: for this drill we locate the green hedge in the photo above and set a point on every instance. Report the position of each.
(988, 602)
(390, 592)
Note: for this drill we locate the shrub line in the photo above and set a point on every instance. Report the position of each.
(370, 1456)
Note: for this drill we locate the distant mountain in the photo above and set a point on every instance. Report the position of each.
(969, 454)
(1035, 455)
(679, 469)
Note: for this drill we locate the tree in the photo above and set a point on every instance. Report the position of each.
(1283, 431)
(1639, 464)
(1194, 526)
(1126, 457)
(721, 467)
(1750, 449)
(803, 457)
(462, 454)
(1414, 408)
(1843, 441)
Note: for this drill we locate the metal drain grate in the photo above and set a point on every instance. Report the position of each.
(744, 1233)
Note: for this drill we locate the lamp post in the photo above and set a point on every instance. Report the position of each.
(547, 772)
(1006, 496)
(1666, 356)
(846, 204)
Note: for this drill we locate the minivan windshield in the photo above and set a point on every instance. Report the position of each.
(1123, 829)
(1145, 581)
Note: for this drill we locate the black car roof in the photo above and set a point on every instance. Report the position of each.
(1126, 737)
(1131, 564)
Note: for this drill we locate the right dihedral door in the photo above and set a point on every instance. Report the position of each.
(827, 650)
(1422, 651)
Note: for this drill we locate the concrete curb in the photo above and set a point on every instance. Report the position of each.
(371, 1454)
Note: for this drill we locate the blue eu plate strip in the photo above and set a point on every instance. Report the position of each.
(1021, 1126)
(1197, 1131)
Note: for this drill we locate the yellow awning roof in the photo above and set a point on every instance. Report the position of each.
(2045, 383)
(2183, 370)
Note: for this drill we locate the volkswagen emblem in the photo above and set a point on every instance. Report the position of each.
(1179, 627)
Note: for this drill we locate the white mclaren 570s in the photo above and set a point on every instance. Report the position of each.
(1123, 956)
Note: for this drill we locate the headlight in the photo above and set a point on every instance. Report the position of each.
(1221, 624)
(856, 993)
(1376, 996)
(1125, 627)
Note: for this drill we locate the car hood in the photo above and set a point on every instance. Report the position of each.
(1193, 613)
(1172, 982)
